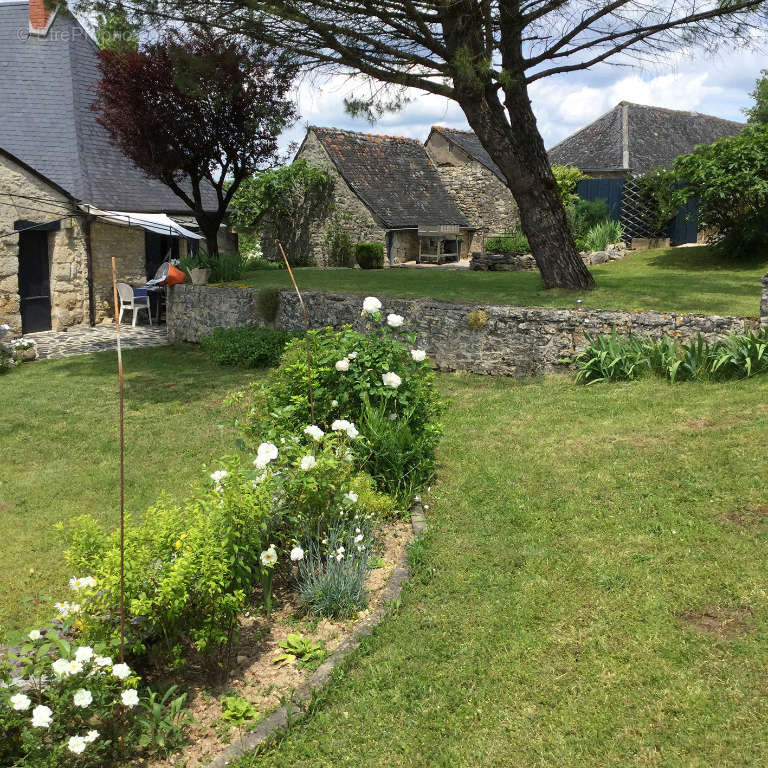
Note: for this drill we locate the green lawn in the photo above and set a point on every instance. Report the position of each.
(688, 280)
(572, 531)
(59, 438)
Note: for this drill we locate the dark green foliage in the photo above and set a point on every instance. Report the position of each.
(513, 241)
(599, 237)
(585, 214)
(248, 347)
(659, 200)
(267, 303)
(369, 255)
(5, 361)
(758, 113)
(729, 181)
(615, 358)
(338, 241)
(226, 266)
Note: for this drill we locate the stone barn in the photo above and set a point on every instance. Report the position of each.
(387, 190)
(474, 181)
(69, 199)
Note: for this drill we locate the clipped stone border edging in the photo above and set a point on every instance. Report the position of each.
(291, 712)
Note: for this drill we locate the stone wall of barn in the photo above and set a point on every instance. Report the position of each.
(468, 337)
(480, 195)
(36, 201)
(350, 212)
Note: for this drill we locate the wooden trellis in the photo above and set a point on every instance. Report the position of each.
(635, 213)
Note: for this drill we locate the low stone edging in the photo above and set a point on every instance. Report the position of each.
(486, 339)
(281, 718)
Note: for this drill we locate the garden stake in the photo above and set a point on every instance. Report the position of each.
(122, 467)
(306, 333)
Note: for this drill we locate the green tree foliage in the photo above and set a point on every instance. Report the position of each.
(116, 32)
(567, 178)
(283, 203)
(660, 200)
(729, 179)
(758, 113)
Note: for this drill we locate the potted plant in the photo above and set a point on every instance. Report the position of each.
(199, 269)
(24, 349)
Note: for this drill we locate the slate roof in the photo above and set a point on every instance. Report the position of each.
(638, 138)
(393, 176)
(47, 85)
(469, 143)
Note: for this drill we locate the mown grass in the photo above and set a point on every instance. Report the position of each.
(59, 438)
(572, 531)
(689, 280)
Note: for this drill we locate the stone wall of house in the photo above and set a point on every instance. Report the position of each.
(66, 248)
(127, 245)
(350, 213)
(481, 196)
(494, 340)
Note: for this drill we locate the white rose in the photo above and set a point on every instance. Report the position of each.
(352, 431)
(76, 744)
(343, 364)
(84, 654)
(352, 355)
(358, 538)
(35, 634)
(395, 321)
(82, 698)
(41, 716)
(391, 380)
(297, 553)
(340, 425)
(268, 557)
(91, 736)
(351, 497)
(130, 698)
(308, 462)
(20, 702)
(334, 403)
(419, 355)
(371, 304)
(315, 432)
(60, 667)
(267, 451)
(102, 661)
(121, 671)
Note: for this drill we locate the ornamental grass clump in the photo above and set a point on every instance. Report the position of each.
(332, 572)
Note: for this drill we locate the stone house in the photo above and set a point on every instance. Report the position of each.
(474, 181)
(62, 180)
(386, 189)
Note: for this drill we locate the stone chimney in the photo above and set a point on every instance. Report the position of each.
(40, 17)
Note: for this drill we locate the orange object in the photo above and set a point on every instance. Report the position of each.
(175, 276)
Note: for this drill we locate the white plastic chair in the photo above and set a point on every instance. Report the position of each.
(129, 301)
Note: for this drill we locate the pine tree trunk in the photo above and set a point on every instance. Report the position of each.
(517, 148)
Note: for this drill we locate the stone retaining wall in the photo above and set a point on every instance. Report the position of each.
(502, 340)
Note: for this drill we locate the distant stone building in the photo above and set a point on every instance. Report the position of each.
(60, 177)
(474, 181)
(386, 190)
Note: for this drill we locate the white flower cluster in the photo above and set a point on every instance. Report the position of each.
(342, 425)
(66, 609)
(218, 478)
(76, 584)
(308, 462)
(23, 343)
(314, 432)
(265, 453)
(269, 557)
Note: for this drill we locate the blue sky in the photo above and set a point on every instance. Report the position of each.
(716, 84)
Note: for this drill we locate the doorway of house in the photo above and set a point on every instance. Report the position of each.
(34, 282)
(157, 249)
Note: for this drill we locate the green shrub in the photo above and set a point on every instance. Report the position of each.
(585, 214)
(341, 248)
(190, 569)
(227, 266)
(268, 303)
(6, 361)
(369, 255)
(347, 379)
(603, 234)
(513, 241)
(247, 347)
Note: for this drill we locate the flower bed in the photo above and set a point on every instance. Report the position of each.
(299, 531)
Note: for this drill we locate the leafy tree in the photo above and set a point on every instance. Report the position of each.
(483, 54)
(659, 199)
(201, 113)
(116, 32)
(758, 113)
(567, 178)
(729, 179)
(283, 203)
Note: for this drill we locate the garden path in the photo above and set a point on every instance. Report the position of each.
(83, 341)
